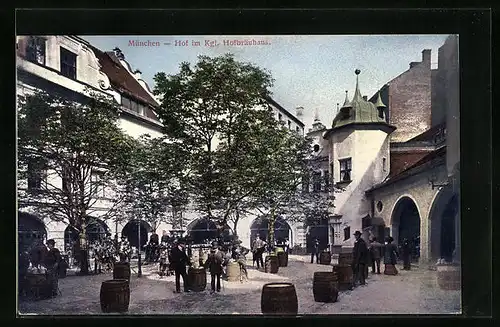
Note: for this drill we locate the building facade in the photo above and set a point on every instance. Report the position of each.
(68, 66)
(405, 186)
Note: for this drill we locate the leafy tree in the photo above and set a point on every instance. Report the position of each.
(79, 148)
(153, 181)
(210, 107)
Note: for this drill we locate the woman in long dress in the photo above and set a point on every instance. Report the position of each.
(390, 257)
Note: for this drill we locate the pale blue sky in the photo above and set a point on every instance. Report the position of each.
(309, 71)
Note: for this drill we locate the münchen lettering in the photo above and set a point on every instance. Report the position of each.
(148, 43)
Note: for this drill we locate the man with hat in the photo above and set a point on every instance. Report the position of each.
(214, 265)
(359, 259)
(179, 261)
(52, 261)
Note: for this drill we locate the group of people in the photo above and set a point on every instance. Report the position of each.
(215, 261)
(41, 259)
(260, 246)
(365, 254)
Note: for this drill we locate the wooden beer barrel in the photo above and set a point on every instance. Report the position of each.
(233, 271)
(115, 295)
(121, 270)
(197, 279)
(325, 258)
(448, 277)
(272, 264)
(344, 276)
(279, 299)
(345, 258)
(325, 286)
(282, 259)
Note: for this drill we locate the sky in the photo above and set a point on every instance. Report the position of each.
(310, 71)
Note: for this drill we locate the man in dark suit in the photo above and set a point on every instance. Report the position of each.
(52, 261)
(315, 250)
(360, 259)
(179, 261)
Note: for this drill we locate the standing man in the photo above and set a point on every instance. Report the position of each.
(214, 265)
(406, 249)
(52, 261)
(360, 258)
(315, 251)
(376, 254)
(179, 261)
(258, 249)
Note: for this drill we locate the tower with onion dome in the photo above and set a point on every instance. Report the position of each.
(358, 154)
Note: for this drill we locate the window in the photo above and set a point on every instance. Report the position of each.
(380, 206)
(381, 112)
(126, 102)
(133, 106)
(297, 129)
(384, 164)
(142, 109)
(35, 50)
(317, 181)
(347, 233)
(37, 175)
(345, 170)
(316, 147)
(68, 63)
(96, 184)
(289, 125)
(331, 170)
(280, 117)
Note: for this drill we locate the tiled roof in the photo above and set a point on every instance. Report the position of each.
(415, 168)
(123, 81)
(429, 135)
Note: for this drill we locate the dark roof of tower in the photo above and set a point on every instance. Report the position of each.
(358, 111)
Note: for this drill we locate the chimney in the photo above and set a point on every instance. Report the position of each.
(299, 111)
(426, 56)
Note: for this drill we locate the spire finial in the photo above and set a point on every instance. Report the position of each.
(338, 104)
(357, 93)
(347, 103)
(379, 103)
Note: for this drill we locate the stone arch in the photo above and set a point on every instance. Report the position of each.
(406, 222)
(260, 227)
(30, 229)
(95, 230)
(202, 229)
(443, 224)
(135, 234)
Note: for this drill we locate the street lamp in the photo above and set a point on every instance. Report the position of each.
(139, 268)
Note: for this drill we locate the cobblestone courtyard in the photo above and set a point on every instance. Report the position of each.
(410, 292)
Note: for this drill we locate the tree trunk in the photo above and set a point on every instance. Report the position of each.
(272, 219)
(235, 223)
(84, 252)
